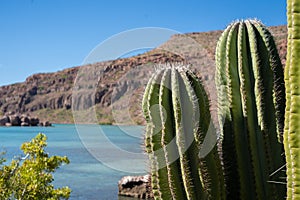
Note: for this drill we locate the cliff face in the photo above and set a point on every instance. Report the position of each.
(39, 91)
(49, 95)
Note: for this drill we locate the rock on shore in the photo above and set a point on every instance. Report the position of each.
(136, 186)
(22, 120)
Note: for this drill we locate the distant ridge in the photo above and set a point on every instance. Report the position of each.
(48, 96)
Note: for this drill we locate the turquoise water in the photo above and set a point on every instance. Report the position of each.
(99, 155)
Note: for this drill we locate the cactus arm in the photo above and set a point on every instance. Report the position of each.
(220, 78)
(148, 139)
(225, 120)
(229, 156)
(269, 87)
(286, 138)
(158, 165)
(187, 147)
(279, 98)
(244, 167)
(275, 72)
(145, 106)
(292, 132)
(202, 101)
(210, 165)
(250, 112)
(263, 93)
(168, 134)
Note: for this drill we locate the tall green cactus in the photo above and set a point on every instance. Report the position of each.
(249, 80)
(176, 109)
(292, 112)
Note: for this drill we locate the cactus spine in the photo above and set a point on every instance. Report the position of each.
(249, 80)
(292, 112)
(176, 109)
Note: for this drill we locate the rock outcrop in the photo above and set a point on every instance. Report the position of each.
(135, 186)
(4, 120)
(21, 120)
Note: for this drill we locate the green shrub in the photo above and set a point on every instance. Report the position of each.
(30, 177)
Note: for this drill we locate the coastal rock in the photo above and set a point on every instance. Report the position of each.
(21, 120)
(15, 120)
(47, 123)
(34, 121)
(135, 186)
(25, 119)
(4, 120)
(24, 124)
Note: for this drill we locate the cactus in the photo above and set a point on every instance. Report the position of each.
(251, 102)
(292, 112)
(176, 109)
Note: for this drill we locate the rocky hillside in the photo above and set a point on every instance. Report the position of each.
(113, 89)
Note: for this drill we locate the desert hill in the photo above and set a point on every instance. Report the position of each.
(113, 89)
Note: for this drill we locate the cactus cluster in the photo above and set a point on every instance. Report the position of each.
(259, 115)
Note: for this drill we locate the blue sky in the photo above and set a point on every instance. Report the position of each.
(50, 35)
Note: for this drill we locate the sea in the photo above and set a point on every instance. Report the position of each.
(100, 155)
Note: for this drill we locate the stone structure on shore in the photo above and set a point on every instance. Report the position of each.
(136, 186)
(21, 120)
